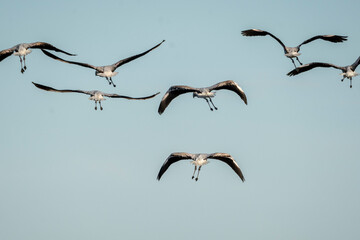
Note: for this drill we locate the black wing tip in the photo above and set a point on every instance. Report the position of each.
(48, 53)
(253, 32)
(152, 96)
(36, 84)
(161, 110)
(43, 87)
(247, 32)
(338, 38)
(293, 72)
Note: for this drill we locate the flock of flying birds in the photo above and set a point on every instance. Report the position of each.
(206, 93)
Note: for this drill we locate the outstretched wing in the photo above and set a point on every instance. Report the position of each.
(6, 52)
(174, 157)
(355, 64)
(258, 32)
(232, 86)
(46, 88)
(129, 59)
(307, 67)
(172, 93)
(65, 61)
(130, 98)
(330, 38)
(227, 158)
(44, 45)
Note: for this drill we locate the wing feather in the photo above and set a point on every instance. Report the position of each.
(129, 59)
(130, 98)
(65, 61)
(330, 38)
(6, 52)
(355, 64)
(232, 86)
(48, 46)
(172, 93)
(46, 88)
(258, 32)
(173, 158)
(228, 159)
(307, 67)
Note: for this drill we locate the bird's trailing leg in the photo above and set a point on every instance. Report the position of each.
(293, 62)
(22, 69)
(101, 108)
(95, 105)
(209, 104)
(343, 78)
(197, 177)
(108, 80)
(298, 60)
(112, 82)
(24, 63)
(350, 82)
(213, 104)
(194, 173)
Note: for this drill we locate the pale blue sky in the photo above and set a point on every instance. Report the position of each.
(69, 172)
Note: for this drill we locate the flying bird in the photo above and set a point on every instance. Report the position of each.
(347, 71)
(293, 52)
(104, 71)
(22, 50)
(95, 95)
(199, 160)
(205, 93)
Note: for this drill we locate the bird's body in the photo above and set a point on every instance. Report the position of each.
(107, 71)
(347, 71)
(199, 160)
(293, 52)
(95, 95)
(205, 93)
(22, 49)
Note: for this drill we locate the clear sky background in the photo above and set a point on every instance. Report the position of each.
(70, 172)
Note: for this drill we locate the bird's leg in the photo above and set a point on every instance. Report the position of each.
(194, 172)
(108, 80)
(24, 63)
(208, 104)
(343, 78)
(101, 108)
(112, 82)
(95, 105)
(351, 82)
(22, 69)
(197, 177)
(293, 62)
(299, 60)
(213, 104)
